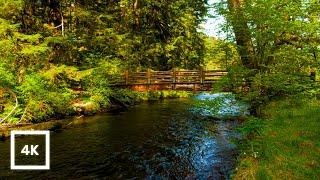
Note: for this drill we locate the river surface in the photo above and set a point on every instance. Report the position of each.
(161, 140)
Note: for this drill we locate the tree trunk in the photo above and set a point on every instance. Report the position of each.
(242, 33)
(136, 7)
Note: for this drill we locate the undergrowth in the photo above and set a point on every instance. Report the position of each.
(284, 143)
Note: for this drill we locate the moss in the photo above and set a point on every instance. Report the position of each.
(86, 107)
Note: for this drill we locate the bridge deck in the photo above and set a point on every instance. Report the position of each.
(173, 78)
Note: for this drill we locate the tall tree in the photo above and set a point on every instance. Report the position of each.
(277, 43)
(242, 32)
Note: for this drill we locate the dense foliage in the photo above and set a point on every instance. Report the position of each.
(278, 73)
(57, 56)
(278, 42)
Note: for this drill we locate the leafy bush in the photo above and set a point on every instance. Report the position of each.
(97, 82)
(258, 87)
(126, 96)
(176, 94)
(98, 88)
(7, 78)
(43, 99)
(154, 95)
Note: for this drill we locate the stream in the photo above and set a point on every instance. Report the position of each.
(154, 140)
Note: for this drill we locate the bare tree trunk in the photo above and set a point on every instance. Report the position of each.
(136, 7)
(242, 33)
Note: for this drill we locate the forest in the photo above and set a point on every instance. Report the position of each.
(57, 59)
(51, 49)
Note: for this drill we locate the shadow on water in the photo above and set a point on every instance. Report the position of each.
(153, 141)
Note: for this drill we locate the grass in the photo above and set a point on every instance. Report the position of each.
(285, 145)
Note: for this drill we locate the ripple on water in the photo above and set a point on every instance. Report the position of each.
(219, 105)
(150, 141)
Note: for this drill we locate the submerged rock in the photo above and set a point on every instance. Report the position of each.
(55, 126)
(2, 136)
(87, 108)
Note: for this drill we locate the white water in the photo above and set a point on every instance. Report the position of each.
(220, 105)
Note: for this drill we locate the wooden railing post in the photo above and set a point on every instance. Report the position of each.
(201, 75)
(148, 78)
(174, 79)
(126, 74)
(149, 75)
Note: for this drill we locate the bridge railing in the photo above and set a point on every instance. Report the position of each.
(168, 77)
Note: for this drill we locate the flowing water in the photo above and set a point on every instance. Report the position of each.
(161, 140)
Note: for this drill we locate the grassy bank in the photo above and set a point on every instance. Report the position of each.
(284, 144)
(83, 103)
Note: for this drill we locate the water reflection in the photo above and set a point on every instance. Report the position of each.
(153, 141)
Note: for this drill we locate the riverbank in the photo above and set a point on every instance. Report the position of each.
(119, 99)
(283, 144)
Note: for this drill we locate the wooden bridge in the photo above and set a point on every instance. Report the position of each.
(174, 79)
